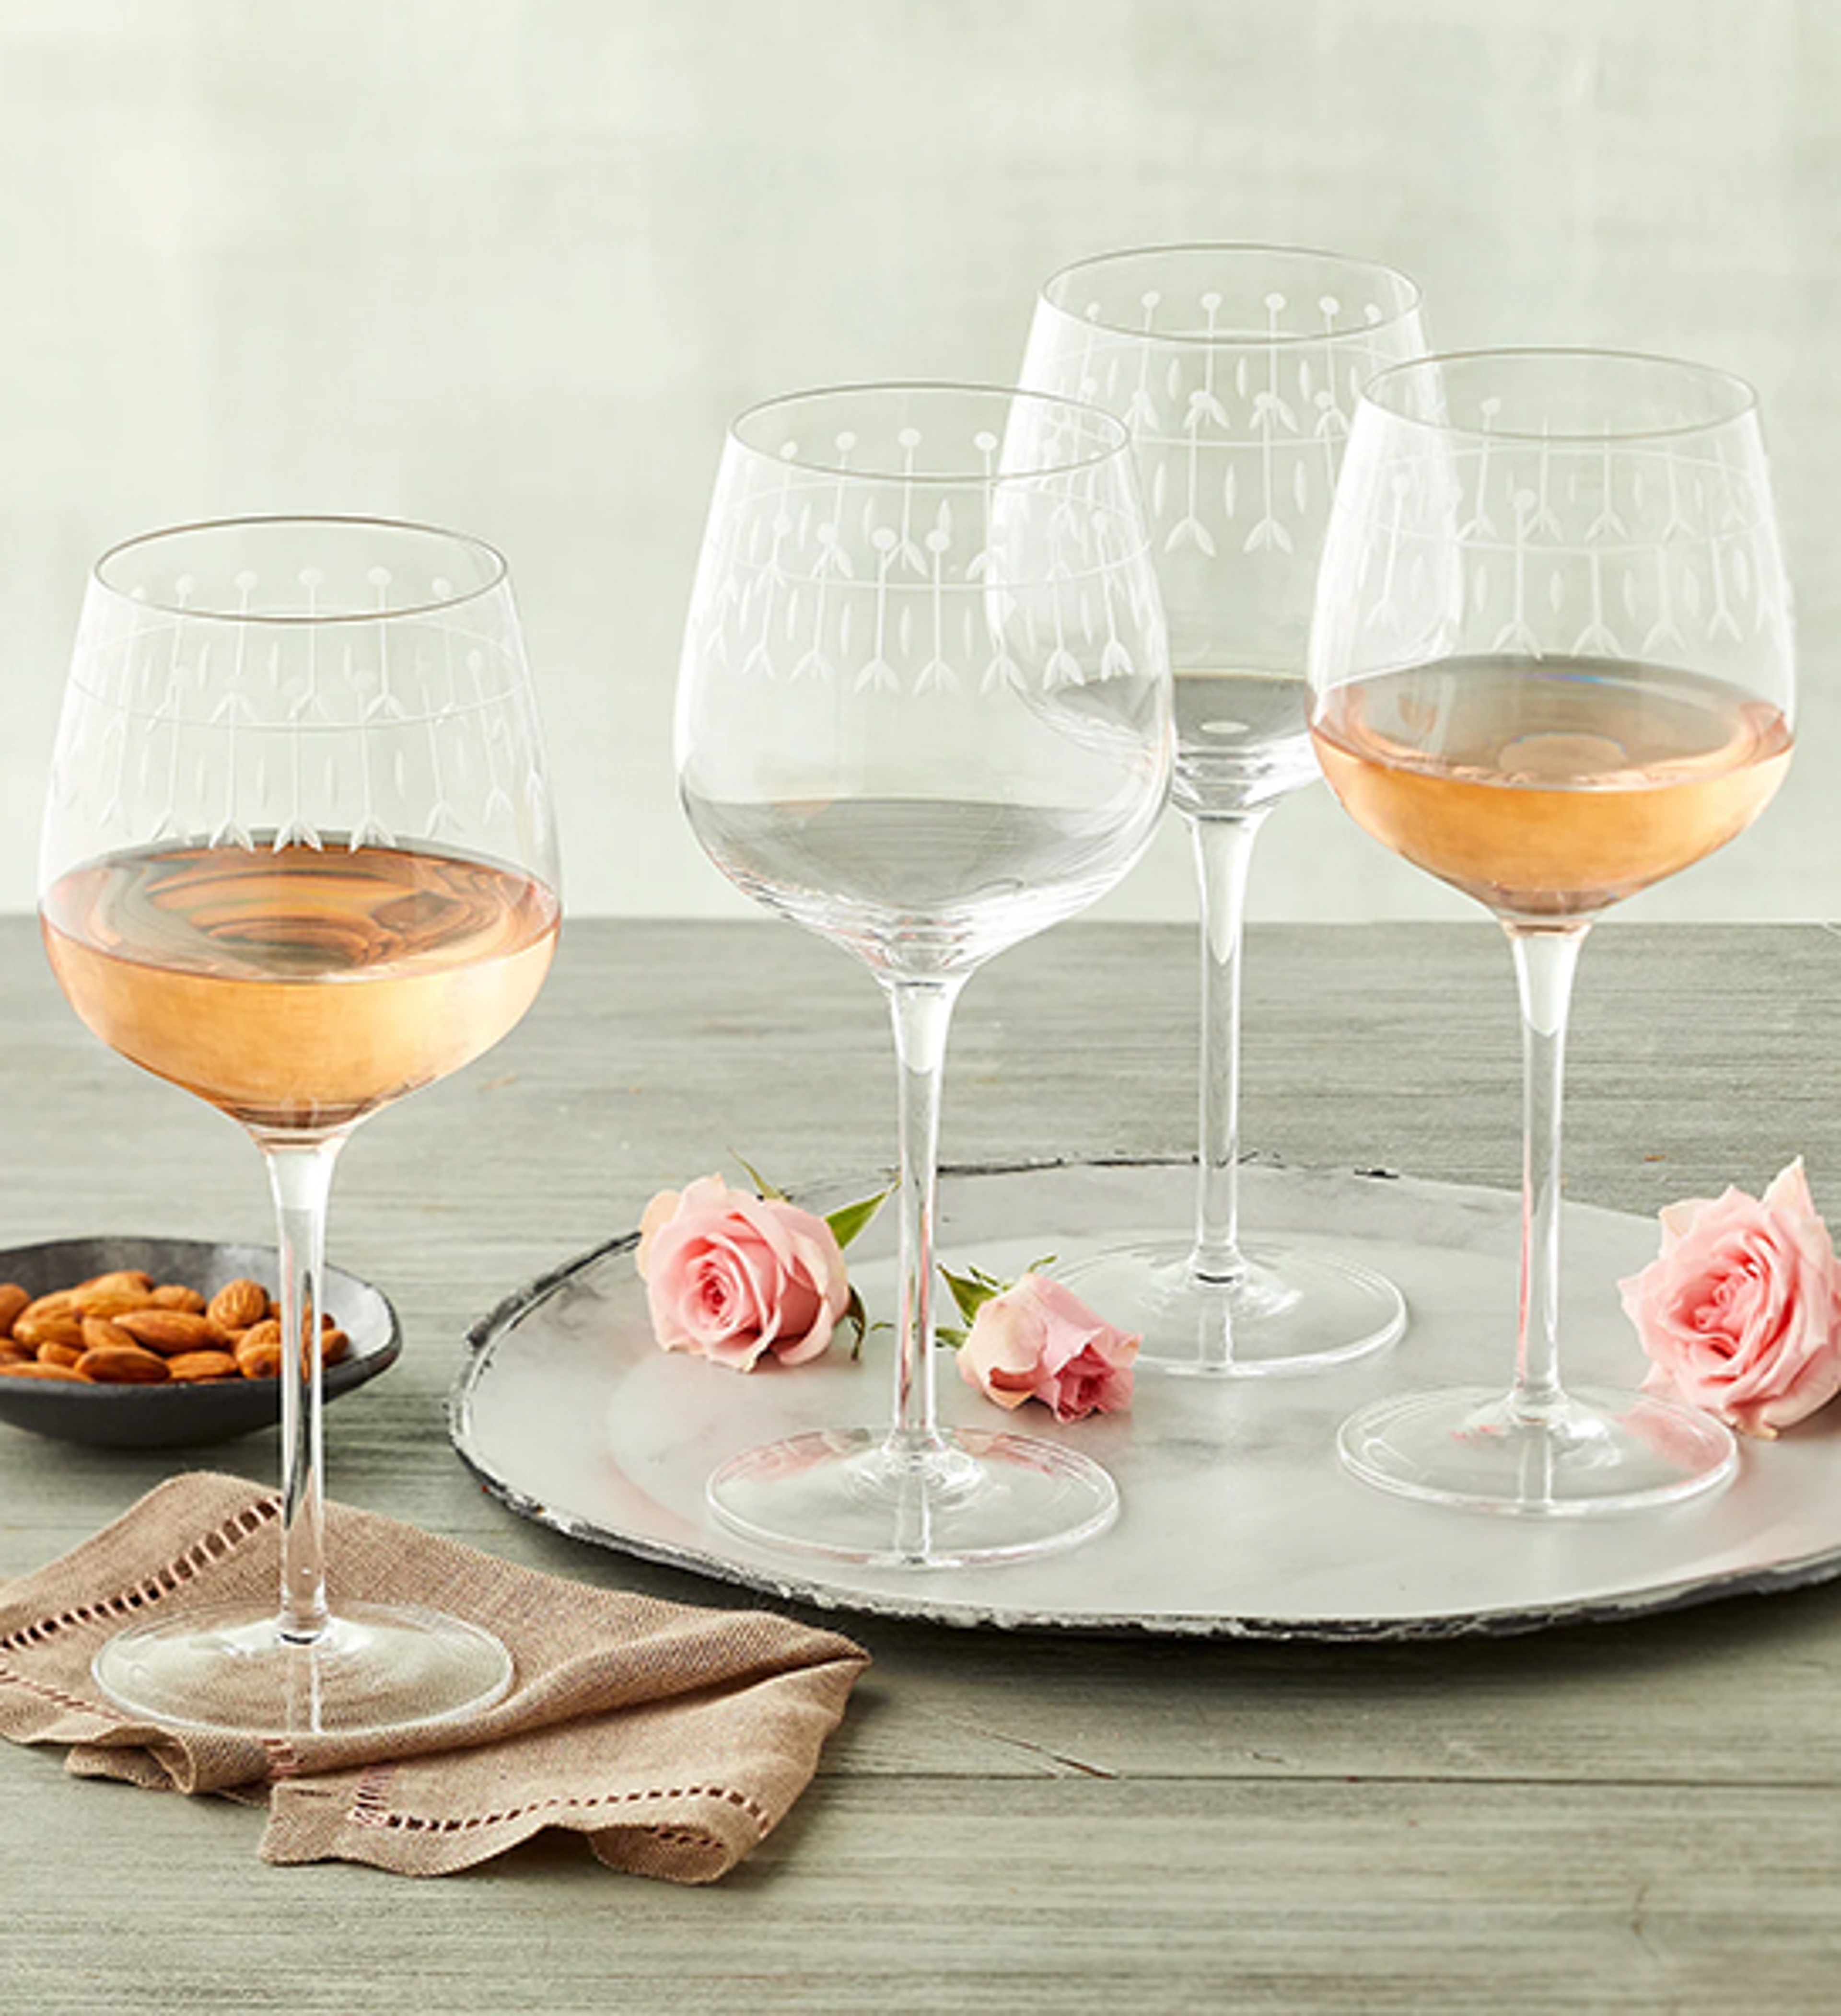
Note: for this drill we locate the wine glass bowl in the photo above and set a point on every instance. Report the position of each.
(1552, 664)
(925, 711)
(298, 858)
(991, 572)
(1237, 369)
(1555, 663)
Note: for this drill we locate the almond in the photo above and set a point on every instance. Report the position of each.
(176, 1295)
(110, 1302)
(169, 1330)
(29, 1369)
(59, 1354)
(258, 1350)
(14, 1301)
(108, 1295)
(59, 1302)
(39, 1331)
(186, 1367)
(125, 1364)
(238, 1305)
(137, 1278)
(100, 1335)
(333, 1344)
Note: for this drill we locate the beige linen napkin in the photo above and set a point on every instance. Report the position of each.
(675, 1738)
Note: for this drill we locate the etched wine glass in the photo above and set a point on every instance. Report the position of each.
(1236, 368)
(1551, 664)
(298, 858)
(925, 711)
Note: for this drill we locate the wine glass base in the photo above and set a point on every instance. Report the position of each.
(1599, 1452)
(1293, 1308)
(374, 1669)
(978, 1495)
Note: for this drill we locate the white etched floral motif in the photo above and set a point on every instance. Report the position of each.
(218, 707)
(1660, 551)
(1239, 422)
(913, 583)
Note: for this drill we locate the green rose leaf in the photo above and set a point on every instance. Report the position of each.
(849, 1220)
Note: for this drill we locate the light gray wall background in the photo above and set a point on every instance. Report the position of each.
(512, 264)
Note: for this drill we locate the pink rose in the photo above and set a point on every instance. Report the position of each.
(1038, 1341)
(1741, 1311)
(730, 1275)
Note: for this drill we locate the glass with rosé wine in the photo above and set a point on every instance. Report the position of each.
(299, 858)
(1551, 663)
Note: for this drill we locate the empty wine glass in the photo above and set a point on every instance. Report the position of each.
(298, 858)
(924, 711)
(1551, 664)
(1236, 368)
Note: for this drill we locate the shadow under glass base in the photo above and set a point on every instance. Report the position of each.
(1599, 1451)
(1293, 1308)
(374, 1669)
(973, 1496)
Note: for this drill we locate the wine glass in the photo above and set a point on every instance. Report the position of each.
(1236, 368)
(1551, 663)
(924, 711)
(298, 858)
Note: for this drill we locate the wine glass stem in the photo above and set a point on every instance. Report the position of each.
(922, 1012)
(1545, 958)
(301, 1175)
(1223, 853)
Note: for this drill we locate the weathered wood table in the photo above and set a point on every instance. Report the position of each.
(1643, 1816)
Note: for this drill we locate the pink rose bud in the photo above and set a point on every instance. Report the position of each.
(1038, 1341)
(1741, 1311)
(732, 1276)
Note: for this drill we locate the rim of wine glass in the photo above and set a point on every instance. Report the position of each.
(1745, 402)
(1237, 248)
(1118, 435)
(500, 569)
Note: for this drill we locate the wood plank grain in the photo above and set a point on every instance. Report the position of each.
(914, 1894)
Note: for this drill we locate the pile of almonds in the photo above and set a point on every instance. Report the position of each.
(126, 1329)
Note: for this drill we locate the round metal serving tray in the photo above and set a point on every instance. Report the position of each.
(1237, 1520)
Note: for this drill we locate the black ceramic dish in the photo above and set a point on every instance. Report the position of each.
(170, 1417)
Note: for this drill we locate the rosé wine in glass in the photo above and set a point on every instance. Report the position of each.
(1555, 790)
(303, 987)
(298, 858)
(1551, 662)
